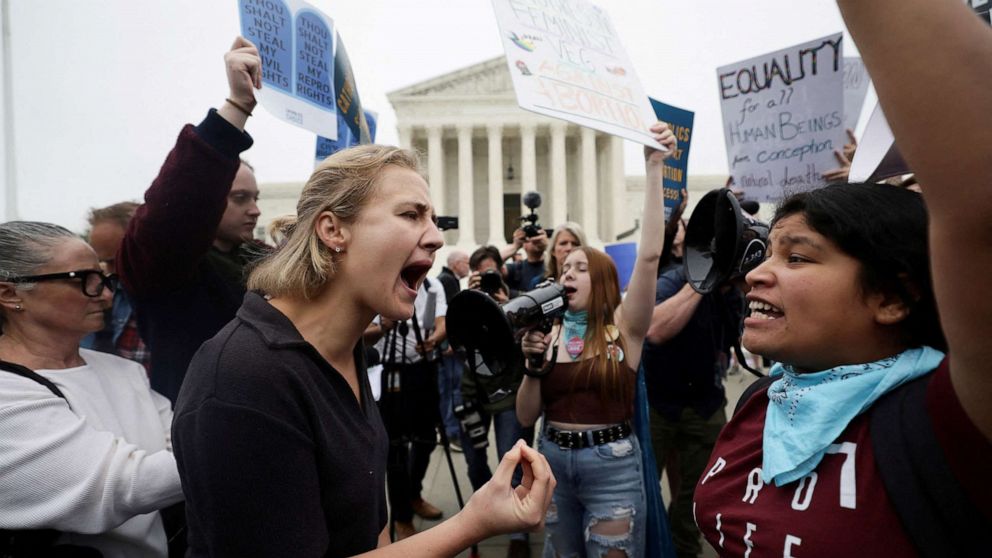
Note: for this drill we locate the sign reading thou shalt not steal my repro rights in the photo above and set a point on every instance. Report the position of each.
(296, 43)
(783, 117)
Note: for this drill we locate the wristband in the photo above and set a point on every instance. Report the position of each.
(238, 106)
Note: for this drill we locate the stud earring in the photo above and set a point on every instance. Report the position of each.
(18, 307)
(337, 249)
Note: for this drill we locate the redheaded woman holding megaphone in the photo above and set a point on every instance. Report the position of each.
(587, 396)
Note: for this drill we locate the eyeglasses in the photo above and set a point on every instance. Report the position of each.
(91, 281)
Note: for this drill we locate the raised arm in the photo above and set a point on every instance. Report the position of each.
(176, 225)
(931, 63)
(634, 316)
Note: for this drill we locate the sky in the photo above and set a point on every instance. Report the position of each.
(101, 88)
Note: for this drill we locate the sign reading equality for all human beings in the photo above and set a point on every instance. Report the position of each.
(296, 44)
(567, 62)
(783, 116)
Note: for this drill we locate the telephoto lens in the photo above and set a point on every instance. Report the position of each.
(472, 424)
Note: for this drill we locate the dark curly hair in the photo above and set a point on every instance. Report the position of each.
(885, 229)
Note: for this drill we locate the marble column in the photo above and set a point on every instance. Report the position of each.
(590, 201)
(528, 163)
(618, 190)
(435, 167)
(466, 205)
(406, 136)
(559, 186)
(496, 233)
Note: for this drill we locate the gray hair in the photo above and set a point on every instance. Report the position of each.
(456, 255)
(26, 246)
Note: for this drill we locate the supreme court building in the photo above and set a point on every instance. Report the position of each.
(483, 152)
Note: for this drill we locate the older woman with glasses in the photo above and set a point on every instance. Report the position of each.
(85, 451)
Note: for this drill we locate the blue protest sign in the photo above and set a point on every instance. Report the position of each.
(296, 44)
(623, 254)
(346, 137)
(677, 166)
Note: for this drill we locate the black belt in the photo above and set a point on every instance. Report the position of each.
(585, 438)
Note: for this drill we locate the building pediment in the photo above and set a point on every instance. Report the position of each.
(486, 78)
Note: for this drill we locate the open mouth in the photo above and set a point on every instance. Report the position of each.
(570, 289)
(413, 275)
(763, 311)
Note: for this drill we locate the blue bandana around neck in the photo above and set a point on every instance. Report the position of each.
(806, 412)
(575, 324)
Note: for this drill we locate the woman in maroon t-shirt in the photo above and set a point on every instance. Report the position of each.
(846, 304)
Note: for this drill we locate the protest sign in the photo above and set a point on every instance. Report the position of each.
(623, 254)
(877, 157)
(296, 43)
(783, 116)
(981, 8)
(346, 137)
(566, 61)
(677, 166)
(855, 89)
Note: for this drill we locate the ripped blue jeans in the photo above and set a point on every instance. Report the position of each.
(599, 503)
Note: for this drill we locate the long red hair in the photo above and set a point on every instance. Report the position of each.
(604, 298)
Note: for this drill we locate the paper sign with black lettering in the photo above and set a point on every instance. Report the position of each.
(296, 43)
(783, 116)
(856, 82)
(566, 61)
(677, 166)
(346, 137)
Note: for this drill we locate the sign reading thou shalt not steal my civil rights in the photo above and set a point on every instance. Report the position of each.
(783, 116)
(296, 43)
(567, 62)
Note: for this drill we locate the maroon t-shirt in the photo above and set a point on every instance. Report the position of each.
(841, 508)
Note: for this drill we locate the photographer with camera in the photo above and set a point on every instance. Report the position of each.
(520, 276)
(490, 400)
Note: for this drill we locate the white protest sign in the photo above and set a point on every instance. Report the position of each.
(567, 62)
(856, 82)
(877, 157)
(783, 116)
(296, 42)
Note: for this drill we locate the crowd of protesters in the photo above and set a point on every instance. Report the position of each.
(172, 386)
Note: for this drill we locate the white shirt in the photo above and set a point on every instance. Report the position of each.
(98, 466)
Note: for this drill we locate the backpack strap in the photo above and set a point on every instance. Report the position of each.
(761, 384)
(26, 372)
(934, 509)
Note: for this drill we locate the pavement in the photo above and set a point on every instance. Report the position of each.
(439, 488)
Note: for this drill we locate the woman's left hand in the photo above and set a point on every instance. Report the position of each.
(498, 507)
(663, 135)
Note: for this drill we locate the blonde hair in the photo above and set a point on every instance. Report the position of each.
(551, 262)
(342, 184)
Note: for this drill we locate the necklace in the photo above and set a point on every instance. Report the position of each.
(574, 325)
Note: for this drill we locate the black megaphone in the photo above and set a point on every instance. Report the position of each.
(721, 242)
(476, 323)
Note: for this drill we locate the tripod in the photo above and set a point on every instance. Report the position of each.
(404, 405)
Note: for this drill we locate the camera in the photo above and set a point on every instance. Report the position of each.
(490, 282)
(532, 200)
(472, 425)
(446, 223)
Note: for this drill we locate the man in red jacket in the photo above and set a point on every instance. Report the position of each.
(182, 259)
